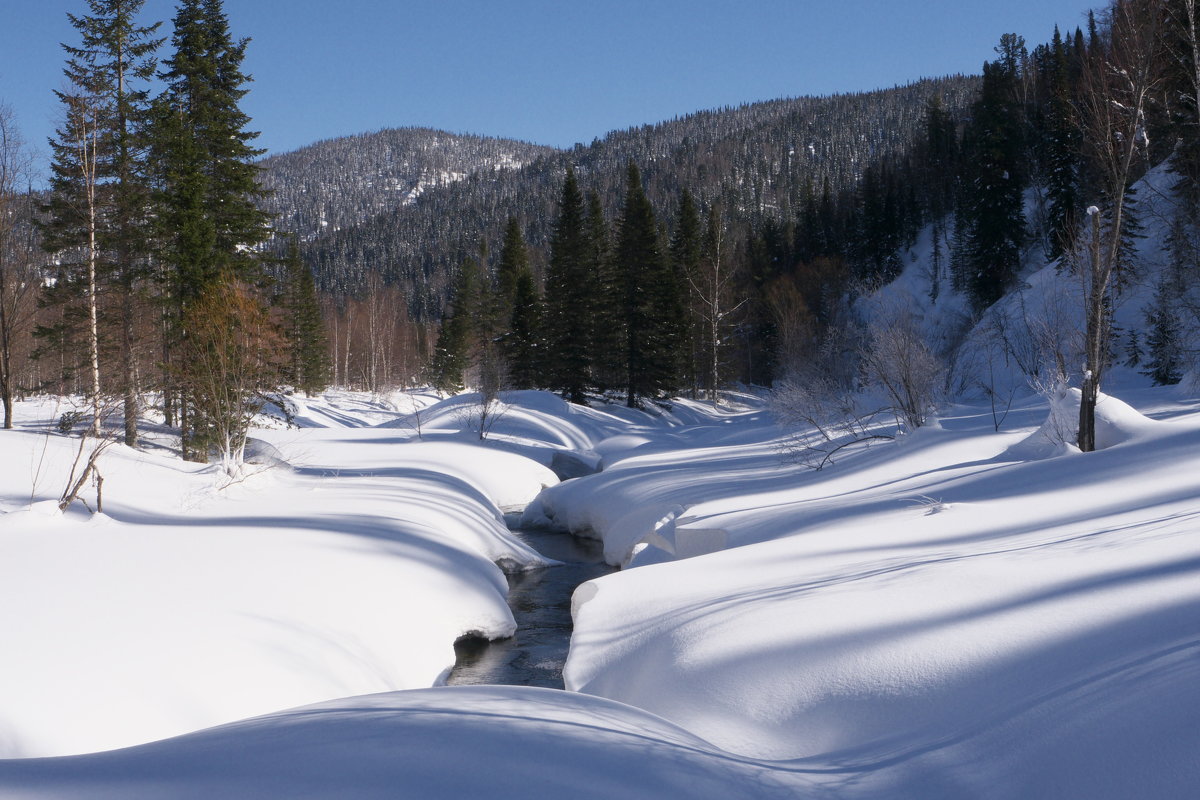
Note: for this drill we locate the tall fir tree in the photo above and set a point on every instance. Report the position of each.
(569, 299)
(307, 345)
(606, 335)
(514, 259)
(995, 207)
(651, 299)
(1061, 152)
(206, 177)
(208, 184)
(99, 203)
(1164, 336)
(523, 346)
(456, 331)
(518, 310)
(686, 251)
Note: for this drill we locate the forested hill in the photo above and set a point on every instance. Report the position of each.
(759, 160)
(338, 183)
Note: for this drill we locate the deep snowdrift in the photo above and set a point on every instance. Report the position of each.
(933, 616)
(960, 613)
(505, 742)
(184, 606)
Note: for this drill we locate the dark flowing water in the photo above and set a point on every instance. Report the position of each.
(541, 603)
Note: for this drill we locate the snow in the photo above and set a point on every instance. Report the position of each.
(351, 571)
(434, 743)
(1037, 631)
(958, 613)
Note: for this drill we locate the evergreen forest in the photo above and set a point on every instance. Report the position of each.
(167, 261)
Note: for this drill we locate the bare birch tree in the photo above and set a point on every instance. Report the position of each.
(712, 289)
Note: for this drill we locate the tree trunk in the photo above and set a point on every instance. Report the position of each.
(130, 368)
(5, 361)
(90, 167)
(1087, 413)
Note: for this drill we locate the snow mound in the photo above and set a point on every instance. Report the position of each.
(1116, 423)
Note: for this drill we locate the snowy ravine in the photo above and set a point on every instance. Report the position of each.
(960, 613)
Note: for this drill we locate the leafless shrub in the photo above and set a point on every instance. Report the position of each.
(829, 398)
(898, 360)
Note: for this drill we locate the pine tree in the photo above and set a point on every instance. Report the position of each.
(939, 157)
(209, 189)
(569, 299)
(308, 352)
(514, 259)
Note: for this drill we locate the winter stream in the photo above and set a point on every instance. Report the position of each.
(541, 603)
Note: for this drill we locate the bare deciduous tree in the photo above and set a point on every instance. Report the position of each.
(18, 276)
(712, 289)
(898, 360)
(1117, 88)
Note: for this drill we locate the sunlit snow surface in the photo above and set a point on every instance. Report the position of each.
(961, 613)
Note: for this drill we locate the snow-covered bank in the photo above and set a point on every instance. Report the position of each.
(351, 571)
(503, 742)
(960, 613)
(935, 617)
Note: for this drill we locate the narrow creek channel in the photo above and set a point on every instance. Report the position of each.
(541, 603)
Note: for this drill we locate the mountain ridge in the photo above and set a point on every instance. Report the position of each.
(757, 159)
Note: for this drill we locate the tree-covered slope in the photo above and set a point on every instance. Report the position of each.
(758, 159)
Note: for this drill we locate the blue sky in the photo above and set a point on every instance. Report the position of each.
(549, 71)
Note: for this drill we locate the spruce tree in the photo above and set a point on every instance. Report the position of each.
(651, 300)
(569, 299)
(209, 181)
(939, 158)
(98, 207)
(518, 310)
(206, 175)
(514, 258)
(307, 345)
(995, 209)
(686, 251)
(522, 346)
(607, 332)
(1164, 338)
(1062, 154)
(455, 333)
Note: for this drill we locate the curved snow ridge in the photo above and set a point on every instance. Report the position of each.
(934, 618)
(434, 743)
(352, 572)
